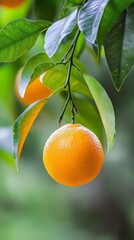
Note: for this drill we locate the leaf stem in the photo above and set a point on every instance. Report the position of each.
(72, 47)
(67, 83)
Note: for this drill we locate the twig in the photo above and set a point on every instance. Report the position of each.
(67, 83)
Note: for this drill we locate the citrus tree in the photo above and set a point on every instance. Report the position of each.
(104, 27)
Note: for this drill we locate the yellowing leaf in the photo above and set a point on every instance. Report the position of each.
(22, 126)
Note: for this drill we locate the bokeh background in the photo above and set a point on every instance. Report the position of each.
(32, 205)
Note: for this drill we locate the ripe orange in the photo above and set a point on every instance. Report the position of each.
(73, 155)
(34, 92)
(11, 3)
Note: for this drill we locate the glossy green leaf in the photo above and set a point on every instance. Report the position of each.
(113, 9)
(35, 66)
(41, 68)
(57, 31)
(22, 127)
(18, 36)
(105, 108)
(55, 79)
(89, 18)
(119, 47)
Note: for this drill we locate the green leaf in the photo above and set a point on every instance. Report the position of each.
(63, 48)
(55, 79)
(88, 115)
(22, 127)
(18, 36)
(89, 18)
(119, 47)
(80, 46)
(35, 66)
(40, 69)
(105, 108)
(113, 9)
(95, 53)
(57, 31)
(69, 6)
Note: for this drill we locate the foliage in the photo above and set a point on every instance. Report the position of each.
(104, 23)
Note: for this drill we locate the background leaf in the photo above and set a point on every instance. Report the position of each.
(22, 126)
(89, 18)
(119, 47)
(6, 157)
(105, 108)
(18, 36)
(34, 67)
(112, 10)
(58, 31)
(7, 106)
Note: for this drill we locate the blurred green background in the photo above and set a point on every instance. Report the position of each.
(32, 205)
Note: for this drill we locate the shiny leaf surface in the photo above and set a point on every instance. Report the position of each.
(18, 36)
(56, 33)
(89, 18)
(22, 127)
(119, 47)
(105, 108)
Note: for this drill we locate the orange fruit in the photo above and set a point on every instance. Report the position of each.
(73, 155)
(11, 3)
(34, 92)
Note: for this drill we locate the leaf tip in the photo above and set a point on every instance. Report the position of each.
(16, 161)
(17, 169)
(118, 88)
(109, 147)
